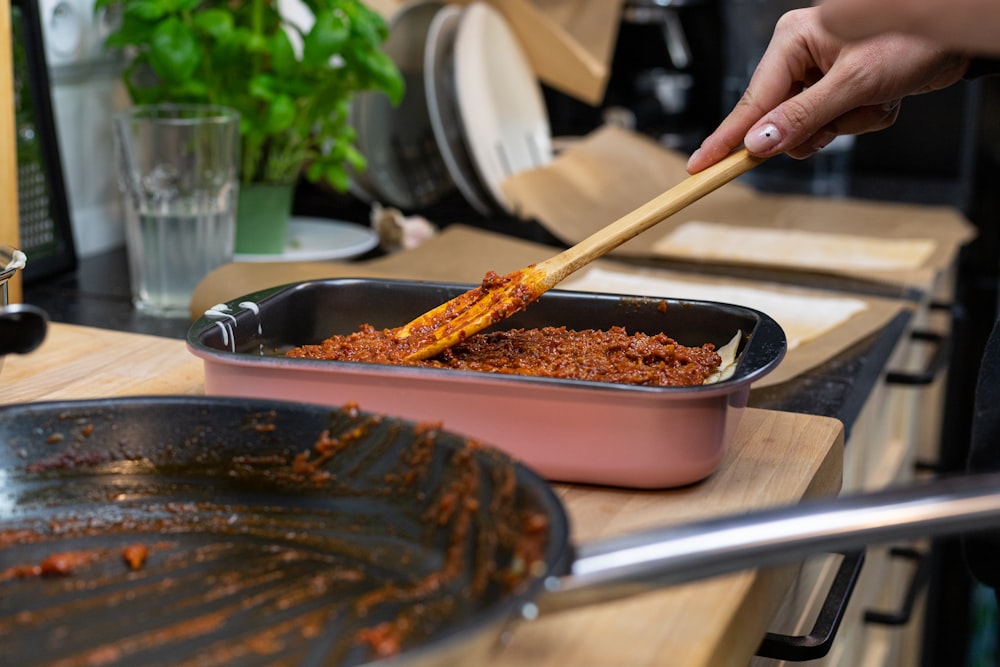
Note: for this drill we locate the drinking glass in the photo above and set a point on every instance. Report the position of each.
(178, 169)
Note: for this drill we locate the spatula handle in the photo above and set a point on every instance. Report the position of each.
(630, 225)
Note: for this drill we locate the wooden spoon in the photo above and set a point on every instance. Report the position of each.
(499, 297)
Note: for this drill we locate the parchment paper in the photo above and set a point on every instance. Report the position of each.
(613, 171)
(463, 254)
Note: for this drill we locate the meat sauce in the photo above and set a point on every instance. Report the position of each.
(66, 563)
(611, 355)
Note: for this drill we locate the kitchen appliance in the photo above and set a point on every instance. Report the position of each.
(672, 55)
(664, 77)
(44, 224)
(665, 436)
(404, 165)
(86, 89)
(158, 529)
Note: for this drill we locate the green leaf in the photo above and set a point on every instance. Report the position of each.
(366, 24)
(281, 114)
(215, 22)
(384, 73)
(174, 52)
(355, 158)
(193, 91)
(283, 54)
(293, 109)
(261, 87)
(226, 57)
(146, 10)
(256, 43)
(336, 176)
(326, 39)
(184, 5)
(131, 31)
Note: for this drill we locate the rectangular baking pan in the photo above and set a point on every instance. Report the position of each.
(567, 430)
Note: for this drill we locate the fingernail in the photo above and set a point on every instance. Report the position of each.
(763, 140)
(693, 157)
(823, 140)
(889, 107)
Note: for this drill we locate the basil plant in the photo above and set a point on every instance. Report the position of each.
(292, 87)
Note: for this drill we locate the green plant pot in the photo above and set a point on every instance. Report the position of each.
(262, 216)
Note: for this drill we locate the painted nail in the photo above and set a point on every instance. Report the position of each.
(763, 140)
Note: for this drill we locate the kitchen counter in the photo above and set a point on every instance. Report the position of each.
(97, 295)
(775, 458)
(648, 630)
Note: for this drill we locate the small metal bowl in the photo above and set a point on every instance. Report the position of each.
(11, 260)
(22, 327)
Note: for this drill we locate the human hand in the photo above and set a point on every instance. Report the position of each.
(810, 87)
(962, 25)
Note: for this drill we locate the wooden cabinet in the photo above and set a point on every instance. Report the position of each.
(899, 424)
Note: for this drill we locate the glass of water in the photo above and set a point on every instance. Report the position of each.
(178, 169)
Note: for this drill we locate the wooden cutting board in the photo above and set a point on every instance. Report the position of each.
(9, 226)
(775, 459)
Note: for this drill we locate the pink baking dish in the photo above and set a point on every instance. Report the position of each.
(567, 430)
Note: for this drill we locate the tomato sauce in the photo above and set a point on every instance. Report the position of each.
(611, 355)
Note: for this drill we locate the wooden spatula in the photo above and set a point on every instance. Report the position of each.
(499, 297)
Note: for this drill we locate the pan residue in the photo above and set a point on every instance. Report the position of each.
(354, 547)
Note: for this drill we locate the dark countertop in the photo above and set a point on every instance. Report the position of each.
(97, 295)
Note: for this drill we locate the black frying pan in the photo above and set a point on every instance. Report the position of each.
(193, 530)
(258, 551)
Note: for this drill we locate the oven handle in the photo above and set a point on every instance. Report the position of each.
(920, 578)
(942, 351)
(937, 362)
(816, 644)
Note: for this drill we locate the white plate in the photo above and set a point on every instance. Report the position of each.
(317, 239)
(500, 100)
(439, 85)
(405, 167)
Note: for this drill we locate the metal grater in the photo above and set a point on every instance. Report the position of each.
(37, 228)
(44, 228)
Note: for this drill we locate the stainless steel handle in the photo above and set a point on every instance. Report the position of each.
(624, 566)
(676, 41)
